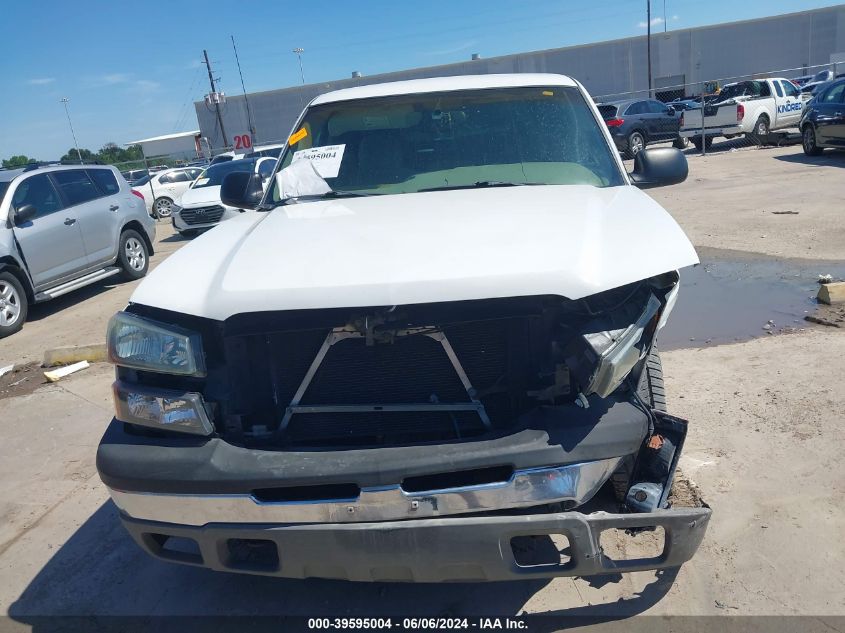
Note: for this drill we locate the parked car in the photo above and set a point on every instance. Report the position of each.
(823, 121)
(813, 89)
(821, 77)
(800, 81)
(200, 207)
(429, 346)
(62, 228)
(132, 176)
(633, 124)
(154, 169)
(746, 107)
(161, 190)
(226, 157)
(272, 151)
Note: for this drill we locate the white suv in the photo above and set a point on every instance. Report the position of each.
(200, 207)
(62, 228)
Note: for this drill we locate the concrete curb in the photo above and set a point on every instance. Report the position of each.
(68, 355)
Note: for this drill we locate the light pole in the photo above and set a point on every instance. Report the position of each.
(299, 52)
(65, 101)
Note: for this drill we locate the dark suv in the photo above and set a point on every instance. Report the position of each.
(823, 121)
(633, 124)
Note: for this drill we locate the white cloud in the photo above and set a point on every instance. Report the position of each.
(114, 78)
(654, 22)
(41, 81)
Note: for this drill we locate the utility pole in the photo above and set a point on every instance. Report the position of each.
(243, 87)
(72, 133)
(648, 36)
(299, 52)
(664, 16)
(215, 99)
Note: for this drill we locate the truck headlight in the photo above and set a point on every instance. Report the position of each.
(602, 359)
(618, 351)
(161, 409)
(147, 345)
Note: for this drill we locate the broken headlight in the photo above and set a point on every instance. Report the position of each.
(602, 358)
(147, 345)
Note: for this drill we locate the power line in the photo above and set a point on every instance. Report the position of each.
(243, 87)
(188, 95)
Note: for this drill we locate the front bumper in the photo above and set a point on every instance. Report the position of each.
(466, 549)
(180, 225)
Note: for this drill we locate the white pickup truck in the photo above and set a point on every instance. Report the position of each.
(746, 107)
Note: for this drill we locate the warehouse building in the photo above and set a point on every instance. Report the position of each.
(683, 61)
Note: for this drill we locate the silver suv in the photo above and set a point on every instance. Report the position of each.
(62, 228)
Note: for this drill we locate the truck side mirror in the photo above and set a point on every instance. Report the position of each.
(25, 213)
(659, 166)
(242, 190)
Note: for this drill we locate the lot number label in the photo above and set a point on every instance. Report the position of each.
(326, 159)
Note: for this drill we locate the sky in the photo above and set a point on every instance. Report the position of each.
(133, 70)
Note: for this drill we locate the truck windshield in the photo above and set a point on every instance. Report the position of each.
(448, 140)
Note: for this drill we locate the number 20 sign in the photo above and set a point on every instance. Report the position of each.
(243, 141)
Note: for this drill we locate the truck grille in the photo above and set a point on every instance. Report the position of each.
(202, 215)
(266, 370)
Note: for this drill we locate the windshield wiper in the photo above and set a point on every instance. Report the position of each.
(482, 184)
(331, 195)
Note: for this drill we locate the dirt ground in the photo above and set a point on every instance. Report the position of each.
(764, 448)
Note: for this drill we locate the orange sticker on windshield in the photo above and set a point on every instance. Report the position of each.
(297, 136)
(548, 93)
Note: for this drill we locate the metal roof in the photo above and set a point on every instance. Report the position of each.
(165, 137)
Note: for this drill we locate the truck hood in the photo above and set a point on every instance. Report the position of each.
(572, 241)
(201, 196)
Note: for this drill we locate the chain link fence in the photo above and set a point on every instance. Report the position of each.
(743, 111)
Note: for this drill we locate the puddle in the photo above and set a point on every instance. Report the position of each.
(731, 296)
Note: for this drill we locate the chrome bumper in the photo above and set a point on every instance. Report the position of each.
(573, 483)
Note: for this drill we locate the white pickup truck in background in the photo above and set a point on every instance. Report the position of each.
(746, 107)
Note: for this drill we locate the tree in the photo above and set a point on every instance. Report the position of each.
(17, 161)
(72, 157)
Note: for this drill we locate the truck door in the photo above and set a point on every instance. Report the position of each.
(51, 242)
(789, 107)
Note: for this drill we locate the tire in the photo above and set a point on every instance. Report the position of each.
(163, 207)
(651, 390)
(635, 144)
(680, 143)
(761, 127)
(808, 141)
(14, 304)
(696, 141)
(133, 256)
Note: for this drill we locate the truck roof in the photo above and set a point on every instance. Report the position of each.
(444, 84)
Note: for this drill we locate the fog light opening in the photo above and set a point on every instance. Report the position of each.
(252, 554)
(541, 550)
(639, 544)
(176, 548)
